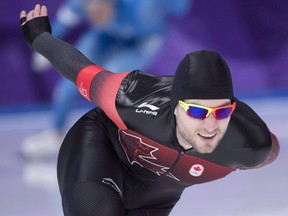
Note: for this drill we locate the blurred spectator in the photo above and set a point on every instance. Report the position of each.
(121, 35)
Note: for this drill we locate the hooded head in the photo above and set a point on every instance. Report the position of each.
(202, 75)
(205, 75)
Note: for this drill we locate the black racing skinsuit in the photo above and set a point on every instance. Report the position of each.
(123, 157)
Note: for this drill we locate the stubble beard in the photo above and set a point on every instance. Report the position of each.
(201, 146)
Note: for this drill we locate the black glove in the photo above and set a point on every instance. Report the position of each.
(34, 27)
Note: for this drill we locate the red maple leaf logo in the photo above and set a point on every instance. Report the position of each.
(197, 168)
(142, 153)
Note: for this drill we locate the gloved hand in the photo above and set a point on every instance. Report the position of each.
(35, 23)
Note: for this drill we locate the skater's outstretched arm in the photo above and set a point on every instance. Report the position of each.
(95, 83)
(37, 32)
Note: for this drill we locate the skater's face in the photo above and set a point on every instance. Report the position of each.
(201, 124)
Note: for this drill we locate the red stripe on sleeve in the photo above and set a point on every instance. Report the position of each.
(107, 93)
(272, 155)
(275, 150)
(84, 79)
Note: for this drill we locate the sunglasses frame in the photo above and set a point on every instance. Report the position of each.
(186, 106)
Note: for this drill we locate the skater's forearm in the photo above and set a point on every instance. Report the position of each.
(64, 57)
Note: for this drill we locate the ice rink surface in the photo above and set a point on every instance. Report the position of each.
(29, 187)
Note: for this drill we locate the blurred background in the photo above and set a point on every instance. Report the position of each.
(252, 36)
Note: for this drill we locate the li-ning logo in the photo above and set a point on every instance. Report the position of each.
(111, 183)
(83, 91)
(152, 108)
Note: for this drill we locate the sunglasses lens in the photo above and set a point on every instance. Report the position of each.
(197, 112)
(223, 113)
